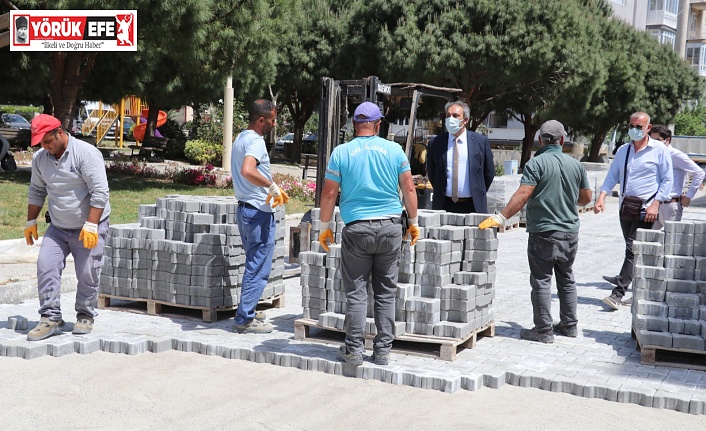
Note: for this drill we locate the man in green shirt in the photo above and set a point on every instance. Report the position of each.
(552, 186)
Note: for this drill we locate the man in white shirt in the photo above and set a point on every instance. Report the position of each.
(682, 165)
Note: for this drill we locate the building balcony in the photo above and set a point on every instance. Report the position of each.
(661, 18)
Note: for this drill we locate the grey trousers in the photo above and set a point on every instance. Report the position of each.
(627, 271)
(370, 250)
(672, 211)
(552, 252)
(56, 246)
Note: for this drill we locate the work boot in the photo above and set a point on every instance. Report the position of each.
(534, 335)
(260, 315)
(381, 358)
(83, 325)
(612, 301)
(45, 329)
(349, 358)
(254, 327)
(611, 280)
(567, 331)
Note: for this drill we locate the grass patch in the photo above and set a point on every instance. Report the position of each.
(126, 194)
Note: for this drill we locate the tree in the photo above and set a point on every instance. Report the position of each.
(310, 52)
(691, 121)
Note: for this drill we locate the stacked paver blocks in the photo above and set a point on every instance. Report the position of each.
(669, 306)
(184, 250)
(445, 284)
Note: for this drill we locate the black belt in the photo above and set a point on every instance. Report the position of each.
(247, 205)
(671, 201)
(397, 220)
(449, 199)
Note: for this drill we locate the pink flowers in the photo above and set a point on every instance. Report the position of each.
(296, 188)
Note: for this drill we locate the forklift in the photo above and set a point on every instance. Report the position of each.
(339, 98)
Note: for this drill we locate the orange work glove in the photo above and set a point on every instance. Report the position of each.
(89, 235)
(413, 230)
(493, 221)
(278, 196)
(326, 235)
(31, 234)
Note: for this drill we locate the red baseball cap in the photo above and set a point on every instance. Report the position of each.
(41, 124)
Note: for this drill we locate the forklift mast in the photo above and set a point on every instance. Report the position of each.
(334, 114)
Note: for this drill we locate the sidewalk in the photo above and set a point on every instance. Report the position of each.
(603, 362)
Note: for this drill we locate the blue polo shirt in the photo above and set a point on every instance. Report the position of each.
(368, 169)
(249, 143)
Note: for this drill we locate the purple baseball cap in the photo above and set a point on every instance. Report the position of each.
(367, 112)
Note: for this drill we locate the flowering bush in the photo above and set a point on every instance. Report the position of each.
(296, 188)
(196, 177)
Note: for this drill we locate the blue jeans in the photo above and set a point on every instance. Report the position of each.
(257, 231)
(56, 246)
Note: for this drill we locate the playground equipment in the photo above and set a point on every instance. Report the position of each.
(139, 131)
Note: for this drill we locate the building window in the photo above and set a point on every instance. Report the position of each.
(496, 120)
(696, 57)
(664, 37)
(671, 6)
(620, 2)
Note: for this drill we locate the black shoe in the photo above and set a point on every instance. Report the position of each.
(611, 280)
(612, 301)
(567, 331)
(349, 358)
(533, 335)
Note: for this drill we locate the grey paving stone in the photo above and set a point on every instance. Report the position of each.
(642, 396)
(494, 379)
(59, 347)
(84, 347)
(671, 401)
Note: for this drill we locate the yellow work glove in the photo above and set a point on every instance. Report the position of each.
(326, 235)
(277, 195)
(89, 235)
(412, 230)
(420, 152)
(31, 234)
(494, 221)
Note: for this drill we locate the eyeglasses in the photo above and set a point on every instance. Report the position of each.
(636, 126)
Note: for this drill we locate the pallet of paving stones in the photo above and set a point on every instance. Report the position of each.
(444, 348)
(155, 307)
(185, 251)
(669, 295)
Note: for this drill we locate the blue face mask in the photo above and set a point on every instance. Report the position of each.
(636, 134)
(453, 125)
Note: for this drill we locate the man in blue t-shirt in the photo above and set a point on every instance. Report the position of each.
(368, 170)
(254, 188)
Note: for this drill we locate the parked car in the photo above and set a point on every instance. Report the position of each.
(16, 129)
(286, 139)
(127, 125)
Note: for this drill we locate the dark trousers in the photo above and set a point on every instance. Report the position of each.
(461, 207)
(552, 253)
(627, 272)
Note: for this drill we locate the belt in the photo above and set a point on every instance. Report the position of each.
(449, 199)
(671, 201)
(247, 205)
(396, 220)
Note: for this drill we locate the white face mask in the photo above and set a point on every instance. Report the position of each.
(453, 125)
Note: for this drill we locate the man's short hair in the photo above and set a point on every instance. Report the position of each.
(662, 131)
(260, 108)
(462, 104)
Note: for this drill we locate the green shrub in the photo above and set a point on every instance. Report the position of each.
(203, 152)
(499, 170)
(28, 112)
(177, 140)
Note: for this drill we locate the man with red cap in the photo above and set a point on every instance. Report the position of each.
(70, 174)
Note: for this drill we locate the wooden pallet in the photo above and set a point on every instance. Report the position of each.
(444, 348)
(155, 307)
(670, 357)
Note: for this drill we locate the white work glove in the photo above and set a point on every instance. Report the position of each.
(273, 190)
